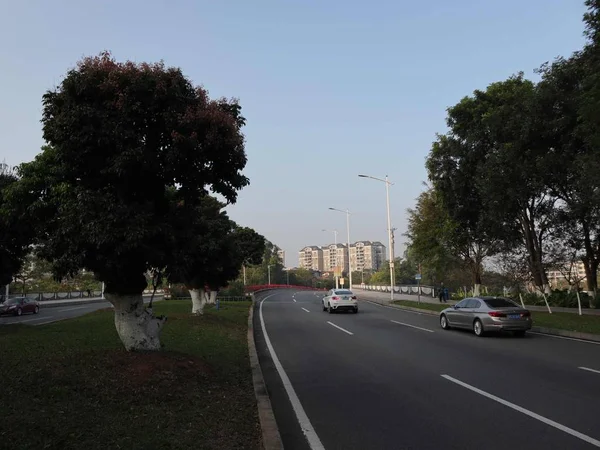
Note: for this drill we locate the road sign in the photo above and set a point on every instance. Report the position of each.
(418, 276)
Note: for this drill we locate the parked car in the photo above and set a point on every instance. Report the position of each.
(340, 300)
(484, 314)
(19, 305)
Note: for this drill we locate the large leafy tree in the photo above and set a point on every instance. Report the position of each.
(121, 137)
(14, 233)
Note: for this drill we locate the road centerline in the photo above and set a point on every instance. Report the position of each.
(305, 309)
(340, 328)
(589, 370)
(412, 326)
(552, 423)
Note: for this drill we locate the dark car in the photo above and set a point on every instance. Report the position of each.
(19, 305)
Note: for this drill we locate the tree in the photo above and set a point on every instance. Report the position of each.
(14, 232)
(121, 137)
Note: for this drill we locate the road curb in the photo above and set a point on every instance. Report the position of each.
(565, 333)
(92, 301)
(271, 439)
(541, 330)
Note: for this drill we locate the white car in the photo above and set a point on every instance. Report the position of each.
(340, 300)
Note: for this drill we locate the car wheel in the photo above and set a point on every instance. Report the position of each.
(444, 322)
(355, 311)
(324, 307)
(329, 310)
(478, 328)
(520, 333)
(36, 309)
(19, 312)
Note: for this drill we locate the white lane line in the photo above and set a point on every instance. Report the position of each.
(294, 300)
(313, 439)
(33, 320)
(395, 309)
(305, 309)
(412, 326)
(552, 423)
(565, 337)
(73, 309)
(51, 321)
(340, 328)
(589, 370)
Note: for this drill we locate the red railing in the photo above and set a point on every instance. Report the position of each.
(262, 287)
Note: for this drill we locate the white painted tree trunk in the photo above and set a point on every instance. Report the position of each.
(547, 289)
(477, 290)
(137, 327)
(198, 301)
(211, 297)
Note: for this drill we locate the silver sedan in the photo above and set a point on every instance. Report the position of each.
(483, 314)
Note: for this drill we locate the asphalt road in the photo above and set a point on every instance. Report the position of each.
(48, 315)
(392, 379)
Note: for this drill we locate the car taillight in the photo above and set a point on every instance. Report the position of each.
(525, 314)
(354, 297)
(496, 314)
(335, 298)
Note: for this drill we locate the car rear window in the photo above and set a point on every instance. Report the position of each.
(499, 303)
(343, 292)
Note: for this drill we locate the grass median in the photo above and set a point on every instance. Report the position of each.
(557, 320)
(70, 384)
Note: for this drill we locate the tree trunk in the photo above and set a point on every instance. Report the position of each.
(137, 327)
(211, 297)
(198, 301)
(534, 255)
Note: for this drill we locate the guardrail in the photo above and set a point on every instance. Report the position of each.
(410, 290)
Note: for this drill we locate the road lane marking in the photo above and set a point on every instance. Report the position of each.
(565, 337)
(412, 326)
(33, 320)
(73, 309)
(311, 436)
(590, 370)
(294, 300)
(340, 328)
(305, 309)
(552, 423)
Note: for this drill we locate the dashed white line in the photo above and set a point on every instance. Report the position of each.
(589, 370)
(311, 436)
(294, 300)
(305, 309)
(340, 328)
(552, 423)
(565, 337)
(412, 326)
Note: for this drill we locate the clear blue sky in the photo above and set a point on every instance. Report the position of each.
(330, 88)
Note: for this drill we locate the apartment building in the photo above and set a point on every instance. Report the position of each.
(335, 255)
(367, 255)
(281, 256)
(311, 257)
(571, 275)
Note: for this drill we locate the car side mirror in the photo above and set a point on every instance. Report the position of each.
(456, 307)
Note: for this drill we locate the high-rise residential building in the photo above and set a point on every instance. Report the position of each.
(335, 255)
(281, 256)
(367, 255)
(311, 258)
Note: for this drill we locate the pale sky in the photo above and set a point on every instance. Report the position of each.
(330, 89)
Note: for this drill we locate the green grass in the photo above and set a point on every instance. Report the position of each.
(558, 320)
(70, 385)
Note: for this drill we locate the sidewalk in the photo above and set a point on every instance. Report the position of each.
(384, 297)
(86, 301)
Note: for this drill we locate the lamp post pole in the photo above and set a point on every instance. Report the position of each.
(347, 212)
(389, 227)
(337, 281)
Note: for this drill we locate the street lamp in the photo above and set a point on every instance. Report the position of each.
(348, 230)
(389, 223)
(336, 256)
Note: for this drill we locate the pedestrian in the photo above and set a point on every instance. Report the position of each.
(441, 292)
(446, 295)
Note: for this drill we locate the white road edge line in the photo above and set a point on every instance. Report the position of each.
(32, 320)
(565, 337)
(589, 370)
(412, 326)
(340, 328)
(313, 439)
(305, 309)
(552, 423)
(73, 309)
(395, 309)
